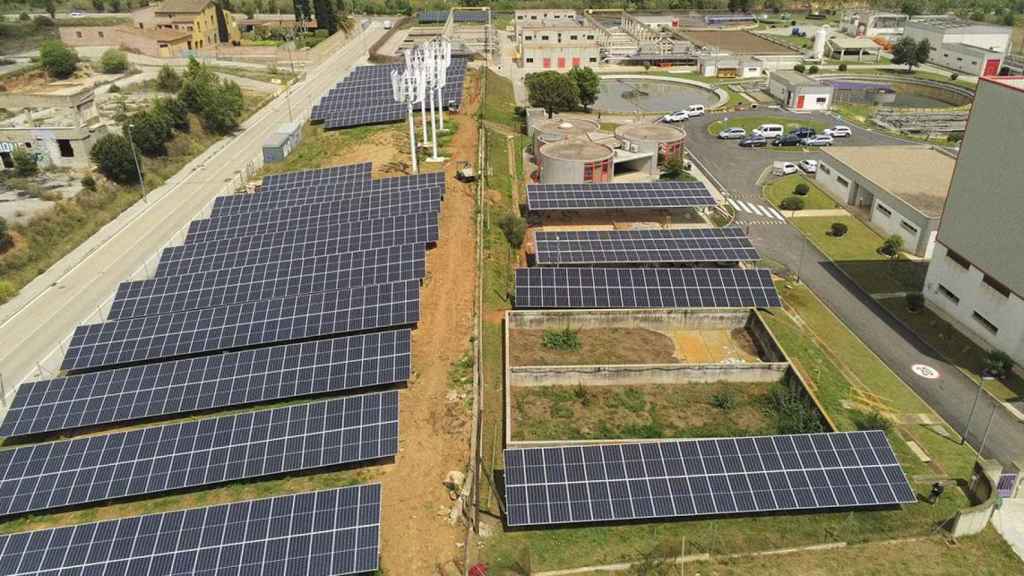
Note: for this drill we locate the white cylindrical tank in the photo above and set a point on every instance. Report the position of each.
(820, 38)
(574, 161)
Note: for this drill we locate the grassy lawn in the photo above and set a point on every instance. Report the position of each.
(319, 146)
(283, 74)
(857, 254)
(782, 188)
(749, 123)
(956, 347)
(499, 105)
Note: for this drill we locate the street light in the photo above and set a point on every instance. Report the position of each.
(138, 168)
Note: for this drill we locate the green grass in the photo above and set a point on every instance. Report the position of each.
(897, 74)
(856, 253)
(499, 105)
(749, 123)
(500, 176)
(318, 146)
(94, 21)
(282, 74)
(782, 188)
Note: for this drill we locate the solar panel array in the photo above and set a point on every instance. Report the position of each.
(199, 452)
(365, 97)
(644, 288)
(665, 194)
(432, 17)
(333, 175)
(470, 16)
(208, 382)
(686, 478)
(676, 245)
(326, 533)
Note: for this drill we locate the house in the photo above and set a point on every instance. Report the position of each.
(976, 276)
(57, 124)
(962, 45)
(898, 189)
(204, 20)
(799, 92)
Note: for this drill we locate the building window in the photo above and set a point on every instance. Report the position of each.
(842, 181)
(885, 211)
(908, 227)
(824, 168)
(984, 322)
(78, 33)
(529, 60)
(949, 294)
(592, 59)
(573, 37)
(100, 33)
(529, 37)
(544, 37)
(963, 262)
(996, 285)
(821, 99)
(66, 151)
(590, 36)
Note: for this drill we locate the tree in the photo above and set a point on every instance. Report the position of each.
(58, 60)
(5, 235)
(97, 5)
(739, 5)
(674, 168)
(88, 182)
(113, 156)
(115, 5)
(924, 51)
(892, 246)
(175, 113)
(514, 229)
(113, 61)
(838, 229)
(792, 203)
(150, 132)
(588, 84)
(221, 108)
(799, 68)
(801, 189)
(553, 92)
(51, 8)
(911, 7)
(908, 51)
(302, 10)
(24, 163)
(326, 17)
(167, 80)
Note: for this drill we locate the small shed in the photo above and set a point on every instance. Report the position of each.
(280, 144)
(799, 92)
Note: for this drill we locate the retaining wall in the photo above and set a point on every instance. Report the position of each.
(982, 488)
(622, 375)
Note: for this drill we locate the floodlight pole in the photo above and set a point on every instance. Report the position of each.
(412, 140)
(433, 126)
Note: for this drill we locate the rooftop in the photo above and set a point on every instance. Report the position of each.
(950, 23)
(794, 78)
(182, 6)
(847, 43)
(649, 131)
(918, 175)
(1015, 82)
(576, 150)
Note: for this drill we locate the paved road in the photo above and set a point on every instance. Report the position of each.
(69, 293)
(953, 393)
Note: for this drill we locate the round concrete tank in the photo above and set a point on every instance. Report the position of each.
(548, 130)
(820, 38)
(647, 138)
(574, 162)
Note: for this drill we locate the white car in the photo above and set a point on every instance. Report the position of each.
(819, 140)
(694, 110)
(783, 168)
(387, 24)
(77, 14)
(838, 131)
(676, 116)
(808, 166)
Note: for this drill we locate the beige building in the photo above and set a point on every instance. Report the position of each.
(203, 20)
(158, 43)
(554, 40)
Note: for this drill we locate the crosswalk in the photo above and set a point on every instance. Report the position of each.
(757, 210)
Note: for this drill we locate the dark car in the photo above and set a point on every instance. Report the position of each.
(787, 140)
(802, 133)
(755, 141)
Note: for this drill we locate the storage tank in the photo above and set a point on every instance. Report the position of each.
(554, 128)
(820, 38)
(574, 161)
(660, 139)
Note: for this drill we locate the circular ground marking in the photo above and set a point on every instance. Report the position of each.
(925, 371)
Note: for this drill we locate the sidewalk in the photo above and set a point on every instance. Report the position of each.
(1008, 520)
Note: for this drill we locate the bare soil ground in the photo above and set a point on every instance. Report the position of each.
(598, 346)
(388, 150)
(714, 346)
(687, 410)
(736, 42)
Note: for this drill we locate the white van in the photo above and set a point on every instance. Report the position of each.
(770, 130)
(695, 110)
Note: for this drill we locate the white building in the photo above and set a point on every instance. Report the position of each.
(976, 276)
(726, 66)
(961, 45)
(554, 40)
(871, 24)
(799, 92)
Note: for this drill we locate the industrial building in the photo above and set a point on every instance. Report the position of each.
(853, 49)
(976, 275)
(726, 66)
(869, 24)
(894, 189)
(799, 92)
(554, 39)
(58, 125)
(961, 45)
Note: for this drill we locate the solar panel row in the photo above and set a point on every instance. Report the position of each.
(208, 382)
(432, 16)
(199, 452)
(676, 245)
(619, 196)
(470, 16)
(344, 173)
(327, 533)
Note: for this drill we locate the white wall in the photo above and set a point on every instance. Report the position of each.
(811, 98)
(1000, 42)
(956, 57)
(827, 178)
(892, 223)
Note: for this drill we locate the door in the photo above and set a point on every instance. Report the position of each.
(561, 63)
(799, 102)
(547, 62)
(575, 62)
(991, 68)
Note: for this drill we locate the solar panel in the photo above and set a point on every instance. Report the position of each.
(239, 203)
(685, 478)
(219, 287)
(313, 215)
(420, 228)
(470, 16)
(345, 173)
(326, 533)
(199, 452)
(207, 382)
(432, 16)
(645, 288)
(241, 325)
(676, 245)
(618, 196)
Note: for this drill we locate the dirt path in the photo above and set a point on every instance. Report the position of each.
(417, 538)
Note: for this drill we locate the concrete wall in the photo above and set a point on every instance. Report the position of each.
(673, 374)
(43, 144)
(559, 57)
(80, 36)
(971, 521)
(663, 319)
(963, 58)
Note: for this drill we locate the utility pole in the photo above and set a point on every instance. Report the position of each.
(138, 167)
(970, 417)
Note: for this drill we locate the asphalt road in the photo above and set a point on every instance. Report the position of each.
(70, 292)
(952, 394)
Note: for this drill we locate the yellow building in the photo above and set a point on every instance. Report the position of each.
(203, 19)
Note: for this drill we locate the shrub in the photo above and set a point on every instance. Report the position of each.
(799, 68)
(565, 339)
(150, 131)
(792, 203)
(114, 89)
(24, 163)
(514, 229)
(582, 394)
(842, 67)
(5, 236)
(801, 189)
(998, 363)
(838, 229)
(88, 182)
(915, 302)
(113, 61)
(892, 246)
(954, 76)
(40, 22)
(954, 137)
(113, 156)
(871, 421)
(7, 291)
(167, 80)
(793, 413)
(174, 111)
(813, 69)
(724, 400)
(24, 17)
(58, 60)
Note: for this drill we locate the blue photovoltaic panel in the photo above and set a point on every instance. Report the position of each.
(327, 533)
(675, 245)
(664, 194)
(168, 294)
(242, 325)
(208, 382)
(470, 16)
(332, 175)
(199, 452)
(419, 228)
(685, 478)
(432, 17)
(645, 288)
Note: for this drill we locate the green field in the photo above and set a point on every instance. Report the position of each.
(782, 188)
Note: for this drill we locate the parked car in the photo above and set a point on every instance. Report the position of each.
(770, 130)
(388, 25)
(755, 141)
(676, 116)
(819, 140)
(838, 131)
(803, 132)
(787, 140)
(808, 166)
(77, 14)
(783, 168)
(732, 134)
(695, 110)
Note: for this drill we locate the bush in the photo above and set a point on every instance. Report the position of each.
(113, 61)
(113, 156)
(114, 89)
(793, 413)
(58, 60)
(954, 137)
(892, 246)
(799, 68)
(24, 163)
(167, 80)
(7, 291)
(514, 229)
(998, 363)
(792, 203)
(871, 421)
(5, 236)
(801, 189)
(724, 400)
(24, 17)
(915, 302)
(565, 339)
(813, 69)
(88, 182)
(838, 229)
(150, 131)
(41, 22)
(954, 76)
(174, 112)
(842, 67)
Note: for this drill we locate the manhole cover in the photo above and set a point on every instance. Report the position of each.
(925, 371)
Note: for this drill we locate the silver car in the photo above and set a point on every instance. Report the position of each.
(732, 134)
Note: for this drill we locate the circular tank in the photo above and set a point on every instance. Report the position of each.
(661, 139)
(575, 128)
(574, 162)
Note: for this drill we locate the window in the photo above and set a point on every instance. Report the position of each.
(959, 59)
(529, 37)
(963, 262)
(824, 168)
(100, 33)
(574, 37)
(949, 294)
(996, 285)
(544, 37)
(984, 322)
(821, 99)
(66, 151)
(590, 36)
(885, 211)
(908, 227)
(842, 181)
(529, 60)
(592, 59)
(78, 34)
